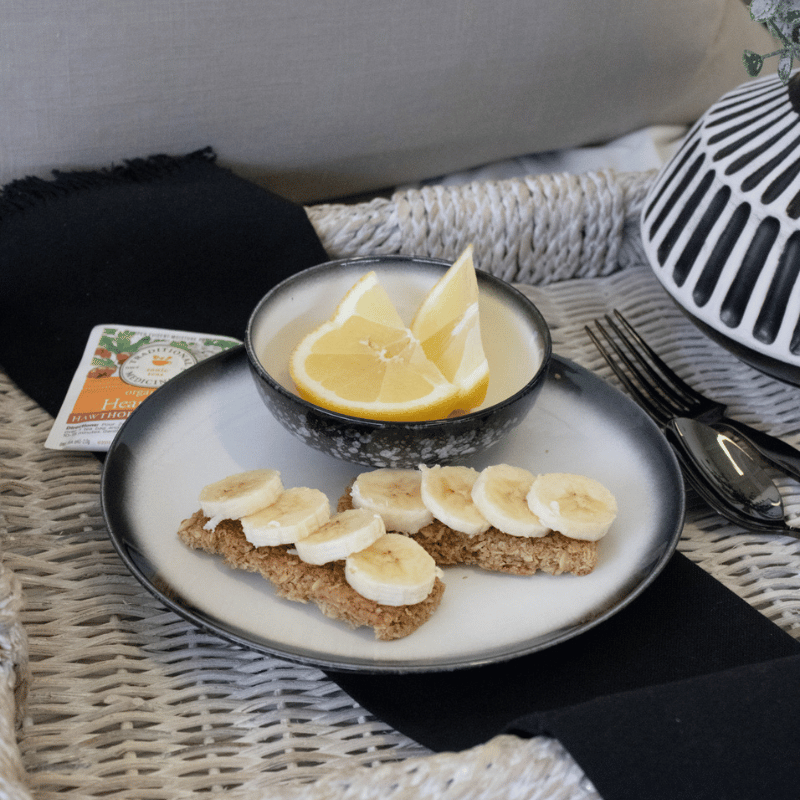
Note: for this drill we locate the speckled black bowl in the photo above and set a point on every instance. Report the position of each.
(516, 340)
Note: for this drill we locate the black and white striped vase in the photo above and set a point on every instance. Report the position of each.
(721, 224)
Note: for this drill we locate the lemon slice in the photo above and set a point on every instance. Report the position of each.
(447, 324)
(365, 362)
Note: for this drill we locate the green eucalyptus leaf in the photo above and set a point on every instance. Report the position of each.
(753, 62)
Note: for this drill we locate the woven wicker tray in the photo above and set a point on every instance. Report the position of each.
(105, 693)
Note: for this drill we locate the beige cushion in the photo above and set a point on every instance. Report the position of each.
(321, 99)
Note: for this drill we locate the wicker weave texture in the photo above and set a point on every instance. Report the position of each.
(535, 230)
(127, 700)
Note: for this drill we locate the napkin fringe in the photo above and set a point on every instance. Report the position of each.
(25, 193)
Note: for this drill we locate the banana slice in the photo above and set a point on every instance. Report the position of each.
(294, 515)
(239, 495)
(447, 494)
(395, 495)
(500, 492)
(394, 571)
(344, 533)
(574, 505)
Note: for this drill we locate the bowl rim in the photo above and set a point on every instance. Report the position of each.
(335, 416)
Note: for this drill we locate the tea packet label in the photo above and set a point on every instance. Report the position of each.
(120, 367)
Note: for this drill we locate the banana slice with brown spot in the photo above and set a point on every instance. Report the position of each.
(393, 571)
(296, 513)
(500, 492)
(395, 494)
(447, 494)
(344, 533)
(238, 495)
(575, 505)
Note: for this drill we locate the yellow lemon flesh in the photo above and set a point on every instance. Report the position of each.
(365, 362)
(447, 324)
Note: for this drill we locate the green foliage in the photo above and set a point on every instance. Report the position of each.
(222, 344)
(122, 342)
(753, 62)
(782, 20)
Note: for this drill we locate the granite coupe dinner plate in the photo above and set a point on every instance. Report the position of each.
(209, 422)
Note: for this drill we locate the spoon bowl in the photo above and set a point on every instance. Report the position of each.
(730, 468)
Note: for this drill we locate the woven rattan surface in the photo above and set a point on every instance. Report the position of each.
(105, 693)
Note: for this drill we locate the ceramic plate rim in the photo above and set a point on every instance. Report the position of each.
(117, 471)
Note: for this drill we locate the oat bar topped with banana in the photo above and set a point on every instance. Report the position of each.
(376, 561)
(504, 518)
(345, 563)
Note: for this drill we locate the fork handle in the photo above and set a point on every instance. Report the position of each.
(773, 449)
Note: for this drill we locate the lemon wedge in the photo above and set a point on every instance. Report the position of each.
(447, 324)
(365, 362)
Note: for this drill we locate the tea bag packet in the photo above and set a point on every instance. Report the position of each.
(121, 366)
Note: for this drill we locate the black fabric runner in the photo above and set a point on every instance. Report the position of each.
(686, 693)
(162, 242)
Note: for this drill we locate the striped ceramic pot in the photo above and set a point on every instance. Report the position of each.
(721, 224)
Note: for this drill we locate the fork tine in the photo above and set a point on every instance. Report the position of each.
(660, 390)
(677, 387)
(656, 409)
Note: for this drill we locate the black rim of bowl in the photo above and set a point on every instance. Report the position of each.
(503, 286)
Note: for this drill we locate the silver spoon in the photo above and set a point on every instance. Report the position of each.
(730, 469)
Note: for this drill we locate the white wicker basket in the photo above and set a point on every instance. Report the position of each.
(126, 700)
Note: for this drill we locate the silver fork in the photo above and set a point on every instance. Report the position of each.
(734, 467)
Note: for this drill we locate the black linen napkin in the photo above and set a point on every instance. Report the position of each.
(176, 243)
(687, 692)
